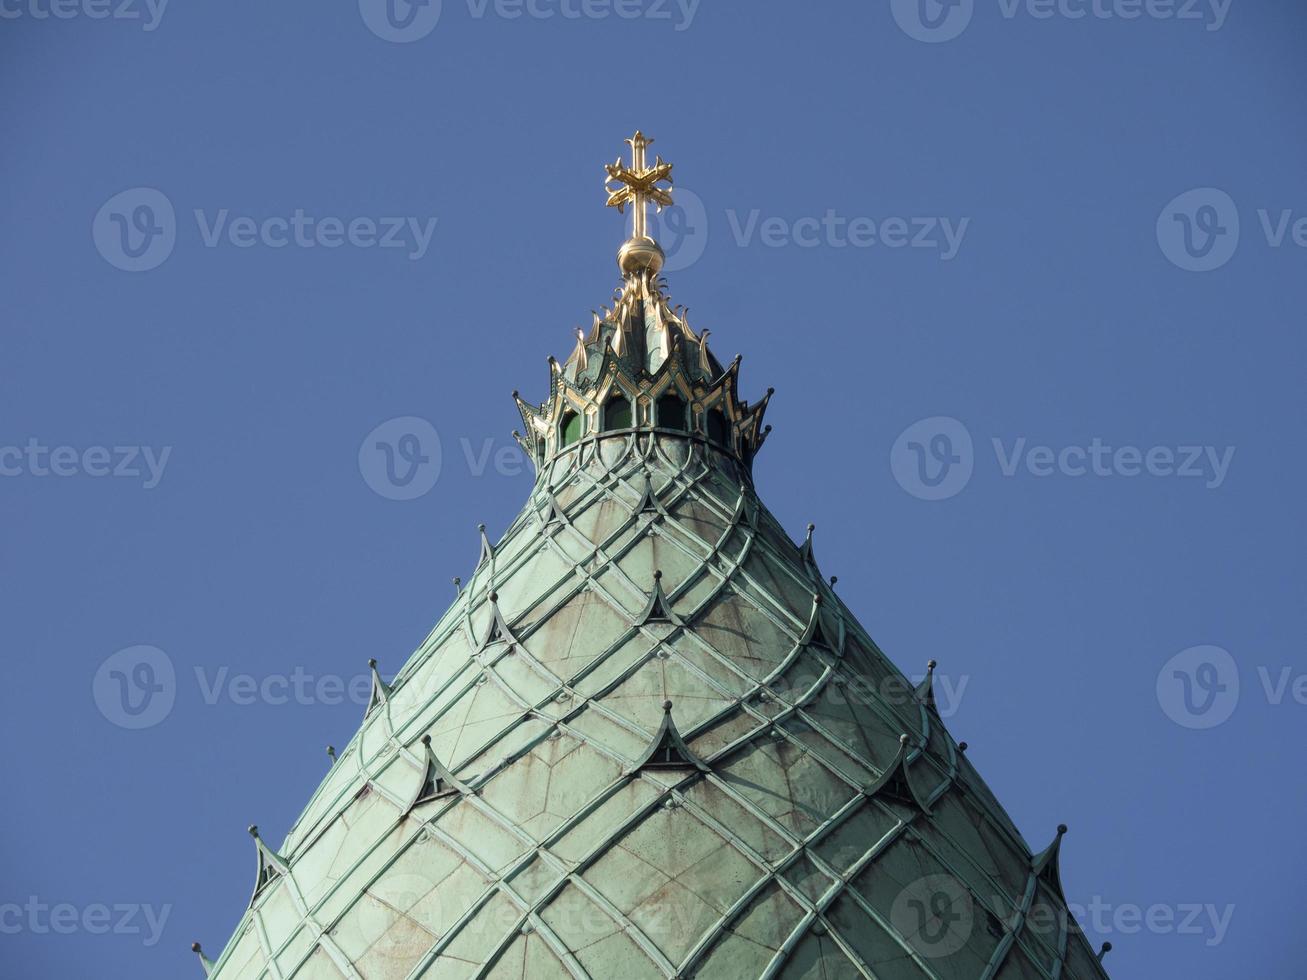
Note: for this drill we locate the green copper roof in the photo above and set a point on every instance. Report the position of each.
(648, 740)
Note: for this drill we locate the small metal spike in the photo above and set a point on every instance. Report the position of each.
(458, 585)
(1103, 951)
(205, 962)
(659, 608)
(380, 689)
(898, 779)
(331, 751)
(926, 689)
(805, 549)
(271, 864)
(497, 630)
(668, 749)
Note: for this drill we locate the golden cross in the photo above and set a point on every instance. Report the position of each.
(638, 185)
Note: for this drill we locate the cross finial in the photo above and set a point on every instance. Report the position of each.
(637, 185)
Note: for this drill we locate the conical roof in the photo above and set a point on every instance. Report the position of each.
(648, 740)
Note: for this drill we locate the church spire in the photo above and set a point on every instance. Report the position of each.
(643, 449)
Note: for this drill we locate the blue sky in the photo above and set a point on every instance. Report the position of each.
(1026, 275)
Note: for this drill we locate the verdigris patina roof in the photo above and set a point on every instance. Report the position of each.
(648, 740)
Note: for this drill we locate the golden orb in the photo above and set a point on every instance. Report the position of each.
(640, 254)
